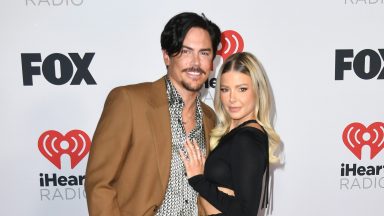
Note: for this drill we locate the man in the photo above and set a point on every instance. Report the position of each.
(134, 167)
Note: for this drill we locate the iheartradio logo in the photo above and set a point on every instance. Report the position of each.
(52, 145)
(356, 135)
(231, 42)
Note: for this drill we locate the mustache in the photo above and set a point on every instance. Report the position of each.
(194, 69)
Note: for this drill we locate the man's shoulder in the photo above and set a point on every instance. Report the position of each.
(135, 88)
(139, 88)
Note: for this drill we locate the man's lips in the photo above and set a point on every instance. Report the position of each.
(194, 74)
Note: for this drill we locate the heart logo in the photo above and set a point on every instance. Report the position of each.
(231, 42)
(52, 145)
(356, 135)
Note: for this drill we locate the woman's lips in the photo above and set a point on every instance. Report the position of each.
(234, 109)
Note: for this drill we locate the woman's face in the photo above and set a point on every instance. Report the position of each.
(237, 96)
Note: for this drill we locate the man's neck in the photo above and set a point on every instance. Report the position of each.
(189, 97)
(189, 108)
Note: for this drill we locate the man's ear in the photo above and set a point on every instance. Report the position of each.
(166, 58)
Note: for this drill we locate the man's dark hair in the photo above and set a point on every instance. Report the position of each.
(177, 28)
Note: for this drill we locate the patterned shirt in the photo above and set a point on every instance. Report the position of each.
(180, 198)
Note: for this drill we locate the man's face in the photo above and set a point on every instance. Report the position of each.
(191, 67)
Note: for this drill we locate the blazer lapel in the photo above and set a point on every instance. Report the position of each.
(159, 121)
(208, 124)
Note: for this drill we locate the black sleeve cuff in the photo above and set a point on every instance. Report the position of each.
(194, 180)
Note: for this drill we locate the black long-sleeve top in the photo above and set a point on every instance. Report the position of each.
(238, 163)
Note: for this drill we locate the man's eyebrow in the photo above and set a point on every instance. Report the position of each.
(190, 48)
(206, 49)
(187, 47)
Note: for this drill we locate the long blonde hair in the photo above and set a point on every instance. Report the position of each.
(247, 63)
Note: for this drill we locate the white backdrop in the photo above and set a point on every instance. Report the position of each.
(295, 40)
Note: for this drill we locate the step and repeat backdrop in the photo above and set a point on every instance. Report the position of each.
(324, 59)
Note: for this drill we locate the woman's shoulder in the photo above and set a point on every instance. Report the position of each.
(256, 126)
(251, 130)
(250, 137)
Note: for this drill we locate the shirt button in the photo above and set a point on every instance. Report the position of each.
(155, 208)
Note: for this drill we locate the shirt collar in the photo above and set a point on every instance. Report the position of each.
(173, 95)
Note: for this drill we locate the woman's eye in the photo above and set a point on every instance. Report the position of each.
(243, 89)
(223, 90)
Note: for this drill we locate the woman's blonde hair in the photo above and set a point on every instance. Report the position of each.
(247, 63)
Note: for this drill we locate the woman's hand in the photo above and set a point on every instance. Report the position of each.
(194, 162)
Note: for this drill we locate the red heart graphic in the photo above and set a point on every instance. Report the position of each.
(50, 141)
(231, 42)
(353, 138)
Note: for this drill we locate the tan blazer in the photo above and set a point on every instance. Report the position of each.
(129, 161)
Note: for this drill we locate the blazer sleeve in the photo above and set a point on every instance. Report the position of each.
(109, 147)
(247, 161)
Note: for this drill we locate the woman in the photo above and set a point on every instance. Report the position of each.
(242, 143)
